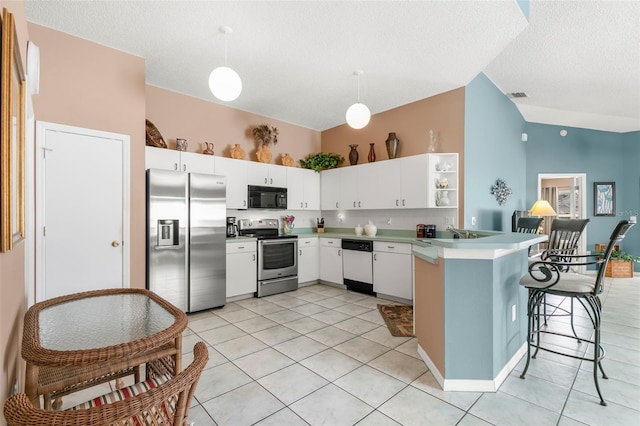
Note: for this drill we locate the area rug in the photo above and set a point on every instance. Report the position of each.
(399, 319)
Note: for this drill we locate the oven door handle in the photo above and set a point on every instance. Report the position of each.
(278, 241)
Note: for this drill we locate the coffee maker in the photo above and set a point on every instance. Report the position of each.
(232, 228)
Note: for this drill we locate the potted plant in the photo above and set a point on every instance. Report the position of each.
(265, 135)
(321, 161)
(620, 265)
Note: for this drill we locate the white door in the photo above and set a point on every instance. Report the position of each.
(82, 191)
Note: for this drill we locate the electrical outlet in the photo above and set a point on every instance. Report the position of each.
(447, 220)
(388, 221)
(473, 221)
(513, 313)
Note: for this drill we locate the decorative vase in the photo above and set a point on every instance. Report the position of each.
(392, 143)
(181, 144)
(372, 153)
(209, 148)
(353, 155)
(263, 154)
(433, 141)
(443, 199)
(237, 152)
(287, 160)
(287, 228)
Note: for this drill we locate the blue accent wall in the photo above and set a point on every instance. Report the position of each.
(524, 6)
(493, 149)
(480, 336)
(604, 157)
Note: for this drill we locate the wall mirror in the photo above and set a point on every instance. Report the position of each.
(12, 134)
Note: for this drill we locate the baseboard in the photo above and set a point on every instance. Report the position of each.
(462, 385)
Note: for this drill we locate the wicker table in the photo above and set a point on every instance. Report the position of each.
(77, 341)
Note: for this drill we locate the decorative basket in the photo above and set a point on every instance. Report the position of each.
(619, 269)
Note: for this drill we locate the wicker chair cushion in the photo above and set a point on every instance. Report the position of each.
(162, 414)
(568, 283)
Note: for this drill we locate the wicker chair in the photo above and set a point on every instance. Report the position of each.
(547, 277)
(166, 404)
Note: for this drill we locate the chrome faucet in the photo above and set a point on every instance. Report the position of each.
(461, 233)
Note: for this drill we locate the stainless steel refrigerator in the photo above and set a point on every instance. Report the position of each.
(186, 238)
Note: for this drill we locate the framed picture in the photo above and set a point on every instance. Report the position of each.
(12, 134)
(604, 198)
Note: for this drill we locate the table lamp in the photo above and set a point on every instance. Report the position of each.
(542, 208)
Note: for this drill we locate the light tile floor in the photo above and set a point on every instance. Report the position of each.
(323, 356)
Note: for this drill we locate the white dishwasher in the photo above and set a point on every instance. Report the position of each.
(357, 265)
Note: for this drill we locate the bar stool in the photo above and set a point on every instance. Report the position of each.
(547, 277)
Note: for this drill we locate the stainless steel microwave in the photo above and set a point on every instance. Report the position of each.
(267, 197)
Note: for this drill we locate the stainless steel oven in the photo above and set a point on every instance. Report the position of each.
(277, 256)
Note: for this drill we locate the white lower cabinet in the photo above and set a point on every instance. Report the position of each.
(331, 260)
(308, 260)
(392, 269)
(242, 268)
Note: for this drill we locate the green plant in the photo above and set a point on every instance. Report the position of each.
(620, 255)
(265, 135)
(626, 257)
(321, 161)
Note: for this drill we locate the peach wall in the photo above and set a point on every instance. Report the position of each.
(88, 85)
(198, 121)
(443, 113)
(429, 309)
(12, 269)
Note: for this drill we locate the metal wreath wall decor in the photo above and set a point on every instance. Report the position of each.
(501, 191)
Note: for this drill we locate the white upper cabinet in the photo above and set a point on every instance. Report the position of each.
(236, 173)
(442, 180)
(359, 187)
(170, 159)
(262, 174)
(402, 182)
(303, 189)
(330, 189)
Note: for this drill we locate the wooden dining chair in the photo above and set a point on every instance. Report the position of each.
(162, 400)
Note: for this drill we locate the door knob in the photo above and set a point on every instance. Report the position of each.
(115, 243)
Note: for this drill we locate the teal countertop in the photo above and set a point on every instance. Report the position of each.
(424, 248)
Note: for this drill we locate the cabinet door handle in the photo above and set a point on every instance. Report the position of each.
(354, 204)
(265, 181)
(336, 204)
(300, 204)
(375, 257)
(396, 203)
(184, 167)
(244, 203)
(305, 205)
(240, 248)
(358, 203)
(339, 252)
(270, 181)
(402, 203)
(300, 252)
(175, 166)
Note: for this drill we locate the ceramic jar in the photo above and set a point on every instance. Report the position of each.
(443, 199)
(358, 229)
(370, 229)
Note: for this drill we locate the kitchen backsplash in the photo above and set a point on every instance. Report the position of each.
(383, 219)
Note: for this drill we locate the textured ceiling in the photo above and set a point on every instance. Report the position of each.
(578, 61)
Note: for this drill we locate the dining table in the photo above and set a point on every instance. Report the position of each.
(77, 341)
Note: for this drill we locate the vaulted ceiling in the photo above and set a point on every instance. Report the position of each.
(578, 62)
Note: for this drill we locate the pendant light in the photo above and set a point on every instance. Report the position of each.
(358, 115)
(225, 83)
